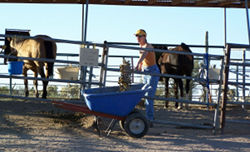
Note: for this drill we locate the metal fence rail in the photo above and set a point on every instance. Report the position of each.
(226, 81)
(104, 68)
(198, 80)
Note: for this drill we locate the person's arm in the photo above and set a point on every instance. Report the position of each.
(139, 63)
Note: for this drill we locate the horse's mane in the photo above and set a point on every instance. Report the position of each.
(159, 46)
(17, 40)
(183, 47)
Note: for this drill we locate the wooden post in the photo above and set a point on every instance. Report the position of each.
(104, 65)
(225, 87)
(216, 111)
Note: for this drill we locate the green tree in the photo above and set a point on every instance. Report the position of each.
(52, 91)
(70, 91)
(4, 90)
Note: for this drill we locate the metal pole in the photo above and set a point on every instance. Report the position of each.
(86, 20)
(82, 34)
(82, 87)
(243, 76)
(225, 26)
(237, 81)
(90, 73)
(246, 5)
(11, 84)
(85, 39)
(206, 41)
(208, 93)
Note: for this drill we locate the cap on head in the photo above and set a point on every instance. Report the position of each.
(140, 32)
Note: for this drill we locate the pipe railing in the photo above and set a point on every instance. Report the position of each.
(116, 45)
(110, 69)
(111, 45)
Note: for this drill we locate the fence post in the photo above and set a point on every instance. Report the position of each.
(243, 77)
(83, 77)
(218, 97)
(225, 87)
(237, 81)
(11, 84)
(104, 65)
(90, 72)
(207, 62)
(132, 67)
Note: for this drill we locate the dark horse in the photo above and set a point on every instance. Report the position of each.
(41, 46)
(175, 64)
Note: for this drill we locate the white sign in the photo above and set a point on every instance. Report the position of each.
(88, 57)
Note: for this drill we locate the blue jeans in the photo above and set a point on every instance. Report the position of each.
(152, 81)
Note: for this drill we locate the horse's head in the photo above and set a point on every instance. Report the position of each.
(9, 49)
(159, 57)
(159, 54)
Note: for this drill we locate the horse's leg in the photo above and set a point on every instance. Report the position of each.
(180, 84)
(46, 70)
(187, 88)
(45, 83)
(166, 91)
(26, 89)
(36, 84)
(176, 91)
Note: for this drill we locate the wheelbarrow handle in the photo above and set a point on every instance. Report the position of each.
(146, 87)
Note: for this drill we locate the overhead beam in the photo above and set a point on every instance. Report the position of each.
(230, 2)
(176, 2)
(151, 1)
(127, 1)
(203, 2)
(181, 3)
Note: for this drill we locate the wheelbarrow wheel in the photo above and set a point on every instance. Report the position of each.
(121, 122)
(136, 125)
(135, 111)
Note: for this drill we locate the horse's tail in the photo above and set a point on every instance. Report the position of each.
(50, 48)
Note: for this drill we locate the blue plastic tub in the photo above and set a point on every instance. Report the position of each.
(110, 100)
(15, 67)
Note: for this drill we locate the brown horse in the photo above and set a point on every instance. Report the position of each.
(41, 46)
(175, 64)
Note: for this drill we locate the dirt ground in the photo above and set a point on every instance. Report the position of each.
(39, 126)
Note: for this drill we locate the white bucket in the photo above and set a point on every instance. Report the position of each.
(68, 73)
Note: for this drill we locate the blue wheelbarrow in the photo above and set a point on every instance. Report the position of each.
(119, 106)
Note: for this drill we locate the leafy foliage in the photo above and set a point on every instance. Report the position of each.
(4, 90)
(71, 91)
(52, 91)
